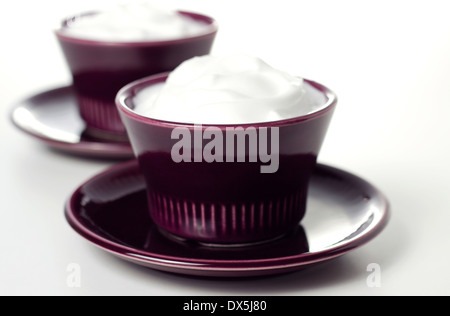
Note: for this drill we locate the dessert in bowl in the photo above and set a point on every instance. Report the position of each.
(227, 146)
(109, 49)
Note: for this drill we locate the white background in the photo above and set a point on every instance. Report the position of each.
(388, 62)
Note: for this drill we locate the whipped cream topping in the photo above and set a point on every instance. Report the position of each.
(135, 22)
(236, 89)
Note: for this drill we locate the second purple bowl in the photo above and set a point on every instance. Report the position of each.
(225, 202)
(101, 68)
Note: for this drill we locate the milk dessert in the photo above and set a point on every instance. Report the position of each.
(236, 89)
(227, 147)
(106, 50)
(135, 22)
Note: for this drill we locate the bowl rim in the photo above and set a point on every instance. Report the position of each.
(130, 90)
(211, 30)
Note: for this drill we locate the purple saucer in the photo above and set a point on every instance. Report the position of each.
(52, 117)
(343, 213)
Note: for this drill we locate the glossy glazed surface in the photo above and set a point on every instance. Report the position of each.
(110, 210)
(52, 117)
(101, 69)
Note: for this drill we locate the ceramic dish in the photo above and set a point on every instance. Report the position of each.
(235, 199)
(52, 117)
(101, 68)
(343, 212)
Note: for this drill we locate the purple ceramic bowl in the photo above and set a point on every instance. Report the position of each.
(225, 202)
(101, 68)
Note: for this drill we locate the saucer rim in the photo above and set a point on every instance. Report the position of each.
(182, 264)
(93, 148)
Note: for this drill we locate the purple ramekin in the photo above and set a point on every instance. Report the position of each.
(225, 203)
(101, 68)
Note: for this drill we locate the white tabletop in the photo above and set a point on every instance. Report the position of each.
(388, 62)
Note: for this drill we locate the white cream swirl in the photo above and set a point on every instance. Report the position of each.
(236, 89)
(134, 22)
